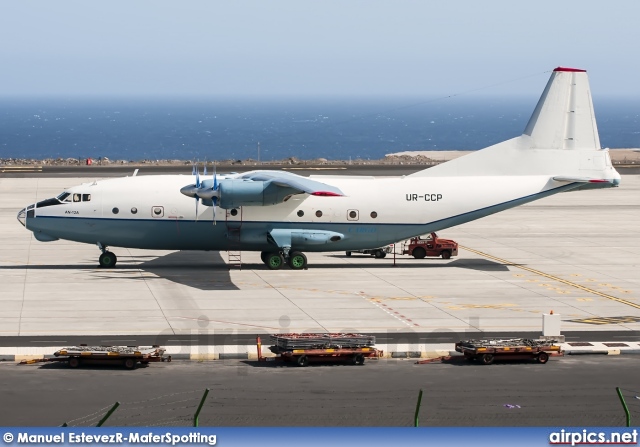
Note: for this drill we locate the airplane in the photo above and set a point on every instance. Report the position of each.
(283, 215)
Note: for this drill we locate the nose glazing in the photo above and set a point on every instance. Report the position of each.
(22, 217)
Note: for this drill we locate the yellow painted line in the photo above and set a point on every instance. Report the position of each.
(555, 278)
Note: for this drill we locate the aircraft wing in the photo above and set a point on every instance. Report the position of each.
(297, 182)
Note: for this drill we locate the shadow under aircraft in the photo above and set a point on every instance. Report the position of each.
(201, 270)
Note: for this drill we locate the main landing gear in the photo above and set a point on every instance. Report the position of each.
(106, 259)
(276, 259)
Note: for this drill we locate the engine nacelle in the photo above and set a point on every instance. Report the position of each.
(314, 237)
(302, 238)
(238, 192)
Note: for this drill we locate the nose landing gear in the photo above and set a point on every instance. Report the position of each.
(106, 259)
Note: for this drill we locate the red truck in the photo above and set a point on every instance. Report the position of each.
(430, 245)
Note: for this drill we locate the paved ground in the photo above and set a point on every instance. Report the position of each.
(575, 253)
(564, 392)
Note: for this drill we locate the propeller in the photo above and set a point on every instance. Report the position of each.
(198, 191)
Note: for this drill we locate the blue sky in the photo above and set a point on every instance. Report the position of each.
(311, 48)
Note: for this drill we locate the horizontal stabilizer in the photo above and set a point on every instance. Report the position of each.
(579, 180)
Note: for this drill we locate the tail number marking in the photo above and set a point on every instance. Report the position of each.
(425, 197)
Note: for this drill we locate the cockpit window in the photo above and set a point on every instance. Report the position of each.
(63, 196)
(86, 197)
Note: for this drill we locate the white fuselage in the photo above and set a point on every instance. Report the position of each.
(150, 212)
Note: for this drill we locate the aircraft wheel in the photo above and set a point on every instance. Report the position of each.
(263, 256)
(297, 260)
(379, 254)
(446, 254)
(419, 253)
(348, 253)
(275, 261)
(107, 260)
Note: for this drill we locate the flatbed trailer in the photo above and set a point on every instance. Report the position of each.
(305, 348)
(127, 356)
(487, 351)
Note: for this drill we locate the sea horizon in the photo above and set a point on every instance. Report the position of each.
(222, 128)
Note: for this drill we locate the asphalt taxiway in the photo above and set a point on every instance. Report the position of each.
(577, 254)
(576, 391)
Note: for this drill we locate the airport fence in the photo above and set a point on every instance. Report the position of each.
(170, 410)
(630, 401)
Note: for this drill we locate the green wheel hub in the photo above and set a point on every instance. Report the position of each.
(297, 261)
(275, 261)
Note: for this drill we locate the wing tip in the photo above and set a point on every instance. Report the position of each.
(326, 194)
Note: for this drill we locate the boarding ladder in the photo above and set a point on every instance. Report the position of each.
(234, 227)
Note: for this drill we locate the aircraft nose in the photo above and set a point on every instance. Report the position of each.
(26, 213)
(22, 217)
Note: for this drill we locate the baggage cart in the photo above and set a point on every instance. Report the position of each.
(127, 356)
(302, 349)
(487, 351)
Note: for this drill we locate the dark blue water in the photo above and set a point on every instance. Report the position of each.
(221, 129)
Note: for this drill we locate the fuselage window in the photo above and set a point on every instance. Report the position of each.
(86, 197)
(115, 211)
(300, 213)
(76, 197)
(134, 210)
(234, 212)
(374, 214)
(318, 213)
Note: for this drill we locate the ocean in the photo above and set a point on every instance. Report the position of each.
(208, 129)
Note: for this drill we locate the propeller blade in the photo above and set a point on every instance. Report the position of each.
(214, 187)
(205, 170)
(196, 195)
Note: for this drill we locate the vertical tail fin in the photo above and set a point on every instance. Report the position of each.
(564, 118)
(560, 140)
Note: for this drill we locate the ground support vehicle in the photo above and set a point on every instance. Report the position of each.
(487, 351)
(379, 252)
(305, 348)
(127, 356)
(429, 245)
